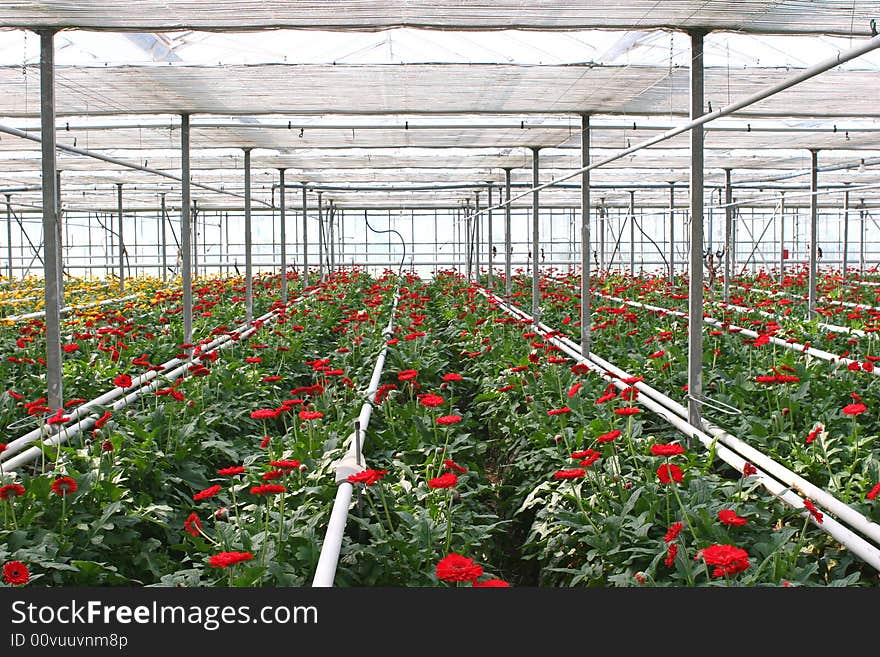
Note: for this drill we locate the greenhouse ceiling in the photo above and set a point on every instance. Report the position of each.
(363, 97)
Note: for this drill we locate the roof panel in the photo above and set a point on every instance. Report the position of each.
(759, 16)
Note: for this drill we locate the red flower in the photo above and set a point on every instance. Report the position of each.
(265, 413)
(64, 486)
(590, 459)
(456, 568)
(574, 389)
(368, 477)
(449, 464)
(431, 401)
(272, 475)
(573, 473)
(447, 480)
(673, 532)
(310, 415)
(16, 490)
(265, 442)
(231, 471)
(285, 464)
(268, 489)
(448, 419)
(809, 506)
(608, 437)
(814, 433)
(669, 473)
(15, 573)
(749, 469)
(226, 559)
(729, 517)
(627, 410)
(452, 376)
(68, 348)
(871, 494)
(728, 559)
(491, 583)
(630, 394)
(559, 411)
(253, 359)
(672, 552)
(58, 418)
(101, 421)
(854, 409)
(657, 354)
(122, 381)
(207, 493)
(671, 449)
(192, 525)
(407, 375)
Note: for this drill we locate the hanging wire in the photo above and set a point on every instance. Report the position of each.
(389, 230)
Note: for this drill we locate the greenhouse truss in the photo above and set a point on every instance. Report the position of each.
(428, 294)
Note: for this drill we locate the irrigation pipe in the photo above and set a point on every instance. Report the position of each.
(171, 370)
(745, 311)
(773, 476)
(833, 302)
(349, 464)
(793, 346)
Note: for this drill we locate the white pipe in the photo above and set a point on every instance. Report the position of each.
(325, 572)
(137, 389)
(832, 302)
(744, 311)
(671, 410)
(793, 346)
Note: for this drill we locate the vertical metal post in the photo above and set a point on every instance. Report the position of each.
(186, 231)
(59, 236)
(845, 233)
(163, 237)
(585, 236)
(603, 215)
(50, 218)
(195, 239)
(436, 245)
(478, 219)
(536, 308)
(282, 204)
(9, 235)
(305, 210)
(729, 245)
(489, 256)
(814, 229)
(508, 246)
(862, 238)
(320, 237)
(248, 241)
(695, 268)
(632, 233)
(468, 227)
(671, 233)
(782, 238)
(332, 216)
(121, 242)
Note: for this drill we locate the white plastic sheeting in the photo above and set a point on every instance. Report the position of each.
(759, 16)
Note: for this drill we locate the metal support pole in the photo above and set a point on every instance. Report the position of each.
(195, 239)
(814, 229)
(163, 237)
(603, 215)
(121, 243)
(632, 233)
(695, 269)
(585, 236)
(862, 238)
(508, 246)
(185, 231)
(9, 235)
(845, 232)
(50, 219)
(782, 238)
(478, 219)
(332, 216)
(248, 242)
(536, 308)
(59, 236)
(320, 237)
(305, 238)
(282, 204)
(728, 234)
(489, 246)
(671, 234)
